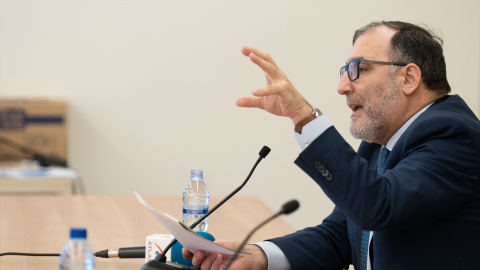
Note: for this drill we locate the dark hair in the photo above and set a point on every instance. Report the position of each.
(418, 45)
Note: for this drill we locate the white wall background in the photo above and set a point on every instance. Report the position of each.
(151, 84)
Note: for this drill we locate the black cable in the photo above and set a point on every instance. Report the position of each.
(29, 254)
(26, 151)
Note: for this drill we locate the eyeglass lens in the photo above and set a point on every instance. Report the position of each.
(352, 70)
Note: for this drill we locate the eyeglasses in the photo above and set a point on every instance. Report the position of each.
(353, 67)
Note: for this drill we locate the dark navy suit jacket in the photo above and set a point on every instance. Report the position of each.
(424, 210)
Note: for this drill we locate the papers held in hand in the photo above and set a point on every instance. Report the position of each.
(188, 238)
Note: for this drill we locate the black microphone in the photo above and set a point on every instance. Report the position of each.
(286, 209)
(159, 262)
(139, 252)
(129, 252)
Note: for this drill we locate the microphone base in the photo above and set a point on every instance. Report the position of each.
(154, 265)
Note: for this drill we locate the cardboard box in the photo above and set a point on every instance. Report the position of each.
(37, 124)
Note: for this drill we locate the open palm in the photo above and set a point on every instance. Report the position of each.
(279, 97)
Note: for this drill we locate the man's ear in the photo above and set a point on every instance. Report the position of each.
(412, 78)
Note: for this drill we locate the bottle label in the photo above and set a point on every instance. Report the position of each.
(195, 211)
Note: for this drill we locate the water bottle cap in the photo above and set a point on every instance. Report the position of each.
(196, 174)
(78, 233)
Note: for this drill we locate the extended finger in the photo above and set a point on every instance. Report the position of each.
(268, 67)
(187, 254)
(263, 55)
(217, 262)
(198, 258)
(249, 102)
(207, 263)
(246, 50)
(275, 89)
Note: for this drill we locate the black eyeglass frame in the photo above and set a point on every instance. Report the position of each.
(344, 69)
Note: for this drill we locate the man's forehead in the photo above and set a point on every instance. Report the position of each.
(373, 45)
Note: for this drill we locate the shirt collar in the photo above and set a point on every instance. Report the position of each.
(393, 140)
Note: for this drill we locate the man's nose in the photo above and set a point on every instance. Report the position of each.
(345, 85)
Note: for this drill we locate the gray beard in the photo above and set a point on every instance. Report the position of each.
(367, 131)
(375, 114)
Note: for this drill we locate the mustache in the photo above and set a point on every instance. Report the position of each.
(353, 100)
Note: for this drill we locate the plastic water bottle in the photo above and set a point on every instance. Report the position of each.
(195, 201)
(77, 254)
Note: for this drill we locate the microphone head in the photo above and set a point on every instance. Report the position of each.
(264, 152)
(289, 207)
(176, 251)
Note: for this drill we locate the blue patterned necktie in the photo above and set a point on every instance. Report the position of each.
(382, 159)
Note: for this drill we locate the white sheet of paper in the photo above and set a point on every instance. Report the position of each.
(188, 238)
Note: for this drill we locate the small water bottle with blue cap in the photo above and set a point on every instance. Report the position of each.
(77, 254)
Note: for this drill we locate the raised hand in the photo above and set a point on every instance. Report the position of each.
(279, 97)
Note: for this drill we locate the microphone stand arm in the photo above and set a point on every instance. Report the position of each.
(161, 257)
(247, 238)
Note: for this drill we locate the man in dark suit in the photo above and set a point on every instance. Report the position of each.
(410, 197)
